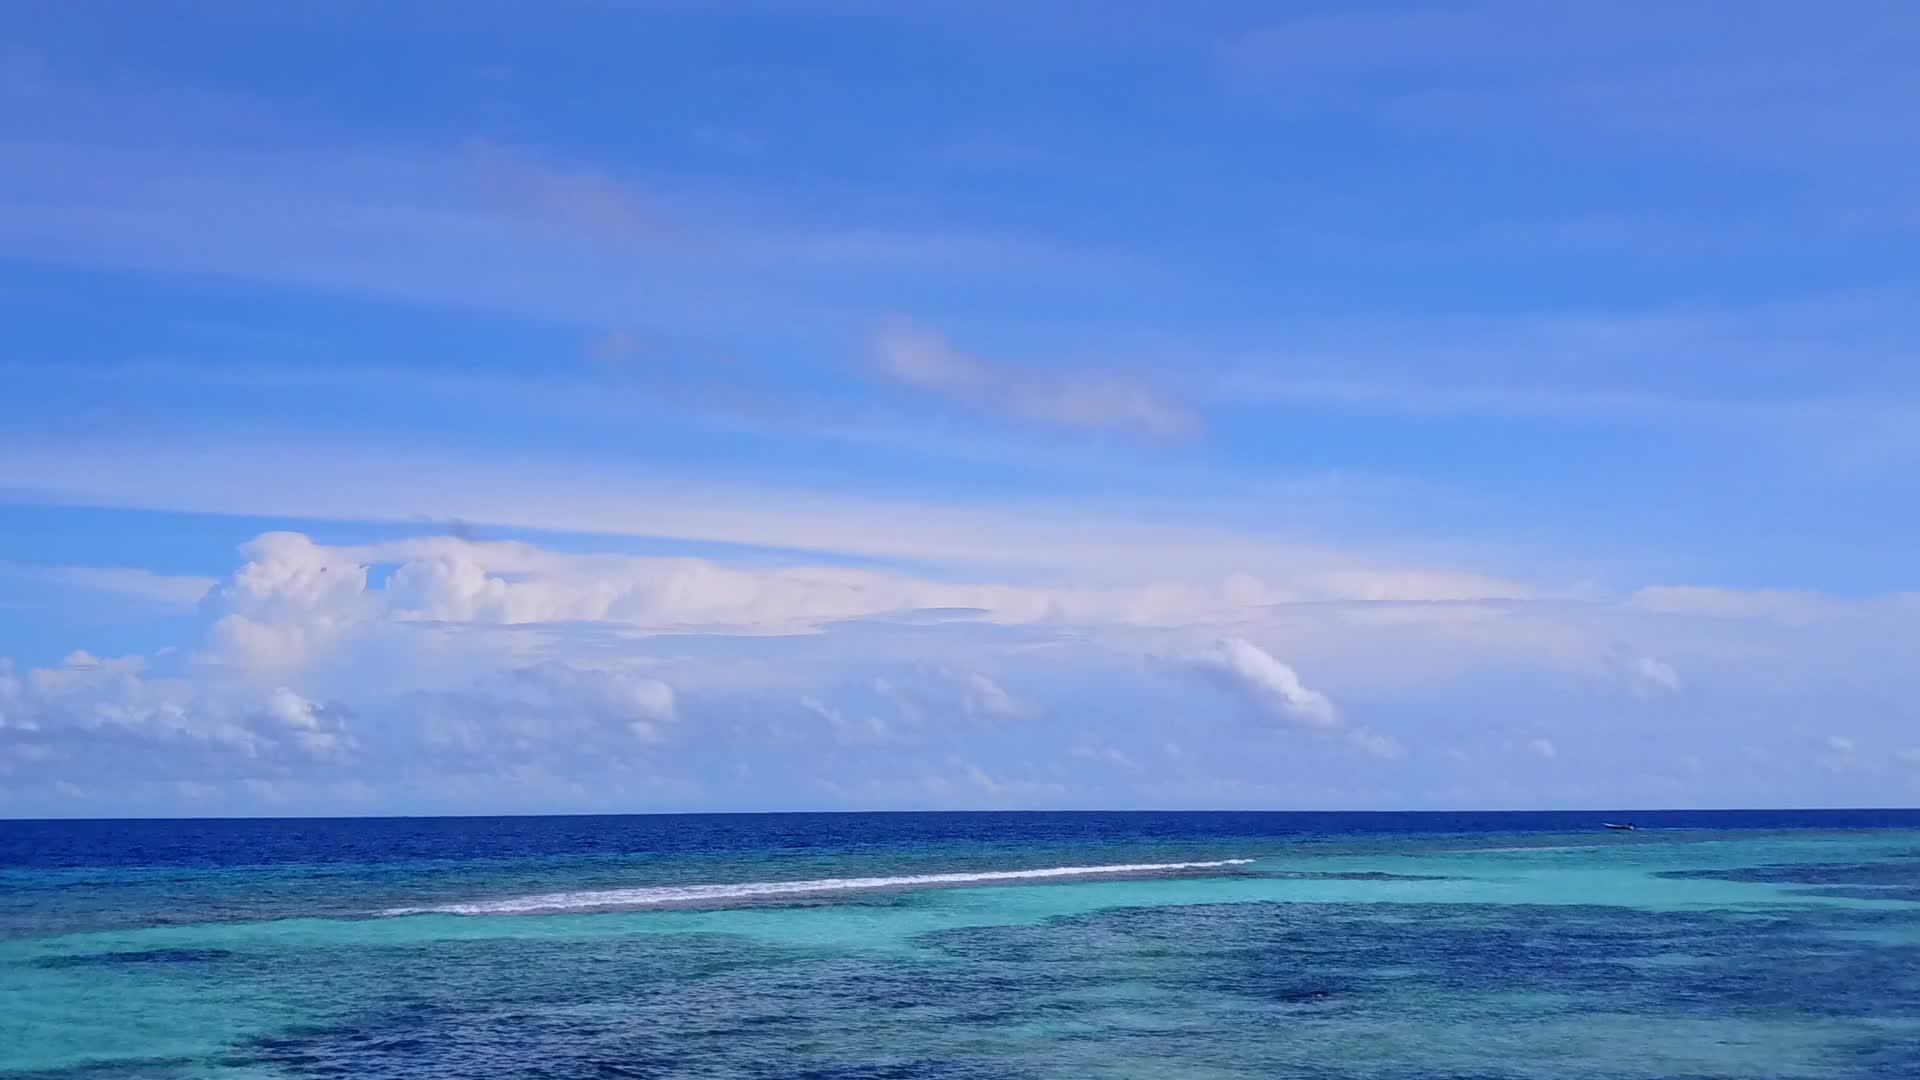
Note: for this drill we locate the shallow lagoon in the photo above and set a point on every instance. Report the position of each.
(1377, 946)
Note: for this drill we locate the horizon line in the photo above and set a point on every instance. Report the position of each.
(976, 810)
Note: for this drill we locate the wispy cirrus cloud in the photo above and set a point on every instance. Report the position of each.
(450, 226)
(1792, 607)
(326, 479)
(164, 592)
(1789, 366)
(918, 357)
(1770, 85)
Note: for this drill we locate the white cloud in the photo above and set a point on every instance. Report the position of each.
(1781, 90)
(322, 479)
(1783, 605)
(866, 730)
(1838, 754)
(13, 711)
(102, 701)
(925, 360)
(906, 704)
(446, 606)
(1377, 744)
(317, 730)
(940, 695)
(552, 706)
(1648, 676)
(480, 657)
(640, 705)
(1271, 688)
(80, 669)
(1390, 585)
(1273, 691)
(1091, 748)
(986, 698)
(289, 602)
(166, 592)
(980, 778)
(461, 226)
(193, 791)
(1613, 368)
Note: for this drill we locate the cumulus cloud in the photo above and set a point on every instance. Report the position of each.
(318, 730)
(1377, 744)
(473, 659)
(866, 729)
(922, 359)
(1269, 687)
(1272, 690)
(431, 611)
(294, 597)
(90, 706)
(290, 601)
(982, 697)
(1652, 676)
(13, 714)
(550, 701)
(939, 694)
(1838, 754)
(1639, 673)
(1092, 748)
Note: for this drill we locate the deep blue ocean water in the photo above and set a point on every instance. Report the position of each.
(1392, 946)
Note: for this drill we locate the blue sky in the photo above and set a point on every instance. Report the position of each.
(654, 405)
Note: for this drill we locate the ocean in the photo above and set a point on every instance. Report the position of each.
(1389, 946)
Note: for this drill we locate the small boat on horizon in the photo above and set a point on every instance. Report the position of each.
(1618, 826)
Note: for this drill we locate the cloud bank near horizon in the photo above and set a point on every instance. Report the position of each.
(436, 672)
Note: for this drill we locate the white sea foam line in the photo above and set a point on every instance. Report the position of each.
(654, 896)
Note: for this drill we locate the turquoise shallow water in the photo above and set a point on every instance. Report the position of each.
(1349, 946)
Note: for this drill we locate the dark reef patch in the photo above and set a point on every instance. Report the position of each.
(1316, 991)
(141, 957)
(139, 1069)
(1355, 875)
(1892, 871)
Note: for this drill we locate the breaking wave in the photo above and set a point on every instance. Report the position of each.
(663, 895)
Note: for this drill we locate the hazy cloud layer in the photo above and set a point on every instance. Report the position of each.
(433, 668)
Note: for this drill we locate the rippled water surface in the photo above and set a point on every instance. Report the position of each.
(1487, 946)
